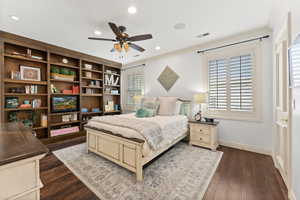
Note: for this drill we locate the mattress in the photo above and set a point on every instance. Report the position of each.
(172, 128)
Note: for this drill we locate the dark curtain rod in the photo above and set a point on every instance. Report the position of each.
(232, 44)
(141, 65)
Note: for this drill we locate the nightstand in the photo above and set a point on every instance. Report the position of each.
(204, 134)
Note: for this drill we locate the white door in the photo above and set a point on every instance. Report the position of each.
(282, 152)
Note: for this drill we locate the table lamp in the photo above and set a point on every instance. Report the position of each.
(200, 98)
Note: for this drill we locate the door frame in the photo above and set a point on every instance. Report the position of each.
(286, 27)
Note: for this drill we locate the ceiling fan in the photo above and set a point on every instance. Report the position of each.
(124, 41)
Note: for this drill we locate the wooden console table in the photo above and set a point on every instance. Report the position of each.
(20, 153)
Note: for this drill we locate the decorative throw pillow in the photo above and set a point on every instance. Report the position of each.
(150, 103)
(167, 105)
(141, 113)
(185, 109)
(178, 107)
(144, 112)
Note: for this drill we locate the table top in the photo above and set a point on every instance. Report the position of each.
(215, 123)
(18, 143)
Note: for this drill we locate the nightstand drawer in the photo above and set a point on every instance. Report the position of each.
(200, 129)
(204, 138)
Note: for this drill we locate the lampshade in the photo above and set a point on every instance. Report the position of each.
(200, 98)
(137, 99)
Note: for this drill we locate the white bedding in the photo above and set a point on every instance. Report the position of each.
(172, 127)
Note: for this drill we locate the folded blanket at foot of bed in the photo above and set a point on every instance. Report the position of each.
(150, 131)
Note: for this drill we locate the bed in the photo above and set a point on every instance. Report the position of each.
(132, 142)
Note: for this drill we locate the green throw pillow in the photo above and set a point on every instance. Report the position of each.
(185, 109)
(144, 112)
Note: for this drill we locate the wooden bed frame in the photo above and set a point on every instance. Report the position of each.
(122, 151)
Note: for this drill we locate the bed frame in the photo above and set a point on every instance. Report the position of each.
(125, 152)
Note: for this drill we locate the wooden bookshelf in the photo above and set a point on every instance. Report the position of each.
(16, 52)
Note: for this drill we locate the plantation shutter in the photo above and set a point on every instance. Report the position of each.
(217, 84)
(295, 65)
(241, 83)
(135, 86)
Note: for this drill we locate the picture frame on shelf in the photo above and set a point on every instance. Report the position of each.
(30, 73)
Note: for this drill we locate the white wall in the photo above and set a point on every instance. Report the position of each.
(193, 78)
(280, 11)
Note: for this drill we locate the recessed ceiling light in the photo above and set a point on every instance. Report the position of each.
(132, 10)
(96, 32)
(14, 17)
(179, 26)
(157, 48)
(203, 35)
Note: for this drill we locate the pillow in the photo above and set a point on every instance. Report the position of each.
(150, 103)
(143, 113)
(178, 107)
(167, 105)
(185, 109)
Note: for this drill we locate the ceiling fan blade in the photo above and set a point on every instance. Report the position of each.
(136, 47)
(115, 29)
(140, 37)
(103, 39)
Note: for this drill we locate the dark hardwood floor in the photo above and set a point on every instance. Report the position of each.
(241, 175)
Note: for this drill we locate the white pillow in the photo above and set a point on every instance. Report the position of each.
(178, 107)
(167, 105)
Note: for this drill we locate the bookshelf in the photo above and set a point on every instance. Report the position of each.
(62, 73)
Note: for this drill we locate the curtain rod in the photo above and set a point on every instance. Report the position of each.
(236, 43)
(141, 65)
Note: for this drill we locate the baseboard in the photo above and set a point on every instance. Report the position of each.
(246, 148)
(292, 195)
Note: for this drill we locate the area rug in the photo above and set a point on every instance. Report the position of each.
(182, 173)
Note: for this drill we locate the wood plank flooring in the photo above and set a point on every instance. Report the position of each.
(241, 175)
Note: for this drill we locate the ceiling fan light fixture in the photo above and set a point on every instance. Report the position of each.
(132, 10)
(118, 47)
(126, 47)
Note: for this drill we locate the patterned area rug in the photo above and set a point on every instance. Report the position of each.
(182, 173)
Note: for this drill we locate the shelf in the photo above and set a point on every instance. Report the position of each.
(112, 94)
(64, 65)
(25, 82)
(20, 109)
(91, 95)
(64, 113)
(24, 94)
(65, 123)
(39, 127)
(92, 70)
(54, 80)
(25, 58)
(62, 94)
(114, 111)
(90, 113)
(95, 79)
(92, 87)
(112, 74)
(112, 85)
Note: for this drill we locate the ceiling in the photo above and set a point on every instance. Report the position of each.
(68, 23)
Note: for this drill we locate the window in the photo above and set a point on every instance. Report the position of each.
(295, 64)
(232, 77)
(135, 86)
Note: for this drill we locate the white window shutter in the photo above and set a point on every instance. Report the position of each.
(217, 84)
(295, 65)
(241, 83)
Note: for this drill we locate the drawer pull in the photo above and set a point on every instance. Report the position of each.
(200, 130)
(200, 138)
